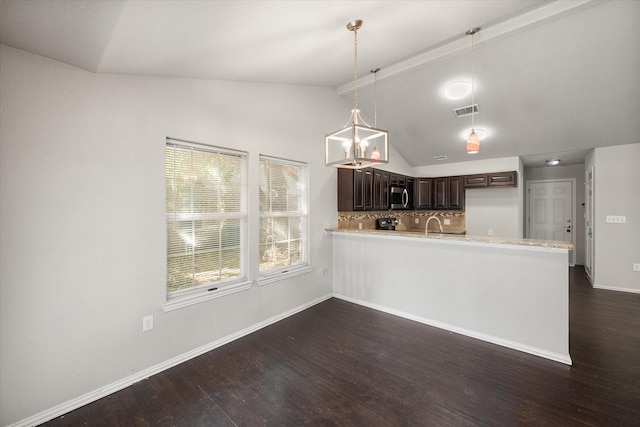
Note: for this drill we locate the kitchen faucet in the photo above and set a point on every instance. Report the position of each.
(426, 227)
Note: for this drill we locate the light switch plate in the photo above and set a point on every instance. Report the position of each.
(616, 219)
(636, 266)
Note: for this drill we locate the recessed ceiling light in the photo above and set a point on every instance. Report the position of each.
(553, 162)
(482, 133)
(457, 90)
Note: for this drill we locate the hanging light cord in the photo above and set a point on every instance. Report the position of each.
(473, 90)
(375, 96)
(355, 68)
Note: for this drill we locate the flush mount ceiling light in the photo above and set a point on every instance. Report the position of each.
(457, 90)
(473, 142)
(349, 146)
(553, 162)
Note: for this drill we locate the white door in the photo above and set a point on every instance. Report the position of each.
(588, 224)
(550, 212)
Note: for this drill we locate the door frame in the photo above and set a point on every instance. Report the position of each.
(589, 248)
(572, 253)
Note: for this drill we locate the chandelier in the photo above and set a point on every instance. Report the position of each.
(356, 145)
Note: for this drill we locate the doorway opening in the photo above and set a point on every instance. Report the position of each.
(551, 212)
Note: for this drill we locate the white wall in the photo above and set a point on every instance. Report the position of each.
(617, 246)
(566, 172)
(493, 209)
(397, 163)
(82, 255)
(496, 209)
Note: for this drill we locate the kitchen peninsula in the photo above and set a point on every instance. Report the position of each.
(510, 292)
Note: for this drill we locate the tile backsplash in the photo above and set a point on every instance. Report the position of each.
(406, 219)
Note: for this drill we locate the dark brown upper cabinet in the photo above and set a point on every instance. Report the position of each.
(448, 193)
(423, 193)
(380, 189)
(494, 179)
(355, 189)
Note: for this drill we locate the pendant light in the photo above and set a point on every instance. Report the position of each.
(349, 146)
(473, 143)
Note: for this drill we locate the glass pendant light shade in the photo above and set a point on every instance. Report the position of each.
(356, 145)
(473, 143)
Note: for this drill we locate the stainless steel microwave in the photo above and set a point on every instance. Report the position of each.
(399, 198)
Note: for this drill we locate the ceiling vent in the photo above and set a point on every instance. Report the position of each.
(466, 111)
(440, 158)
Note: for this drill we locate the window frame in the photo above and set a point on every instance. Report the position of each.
(218, 288)
(304, 265)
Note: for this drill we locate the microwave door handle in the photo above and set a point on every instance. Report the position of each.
(405, 198)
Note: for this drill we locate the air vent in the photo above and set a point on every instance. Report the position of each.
(440, 157)
(466, 111)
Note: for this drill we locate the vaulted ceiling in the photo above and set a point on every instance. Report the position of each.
(552, 79)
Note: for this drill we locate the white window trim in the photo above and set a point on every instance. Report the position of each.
(285, 273)
(222, 288)
(201, 295)
(275, 275)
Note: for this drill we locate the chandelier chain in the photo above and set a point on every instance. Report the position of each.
(355, 68)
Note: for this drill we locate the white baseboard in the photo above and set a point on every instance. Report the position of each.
(618, 289)
(557, 357)
(94, 395)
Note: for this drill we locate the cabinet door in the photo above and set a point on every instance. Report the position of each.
(411, 185)
(475, 181)
(380, 190)
(358, 190)
(503, 179)
(441, 199)
(367, 189)
(456, 193)
(349, 190)
(423, 194)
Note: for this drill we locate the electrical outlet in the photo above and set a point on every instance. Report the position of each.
(417, 220)
(616, 219)
(490, 232)
(322, 272)
(636, 266)
(147, 323)
(359, 226)
(447, 221)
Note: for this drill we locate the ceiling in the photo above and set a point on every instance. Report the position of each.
(552, 79)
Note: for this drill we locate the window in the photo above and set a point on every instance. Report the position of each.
(206, 222)
(283, 218)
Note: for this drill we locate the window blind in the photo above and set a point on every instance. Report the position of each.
(206, 215)
(283, 214)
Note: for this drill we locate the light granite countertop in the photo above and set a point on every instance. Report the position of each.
(459, 238)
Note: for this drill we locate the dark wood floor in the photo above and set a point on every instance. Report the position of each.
(341, 364)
